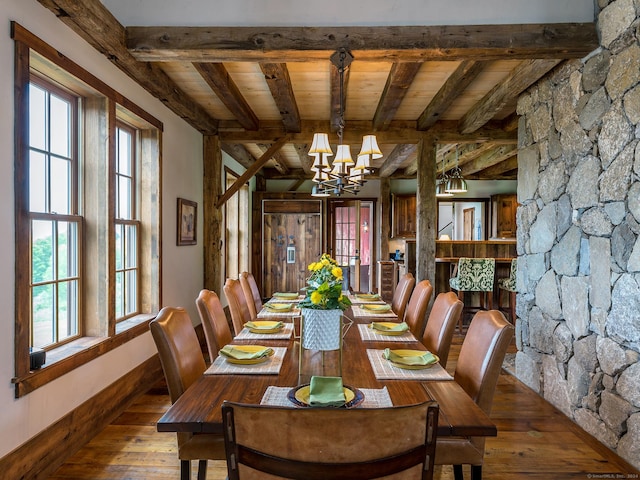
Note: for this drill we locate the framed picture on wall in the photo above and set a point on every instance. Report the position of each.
(187, 222)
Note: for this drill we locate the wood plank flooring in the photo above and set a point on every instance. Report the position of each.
(534, 441)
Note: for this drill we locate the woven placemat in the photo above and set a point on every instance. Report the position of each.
(384, 370)
(283, 334)
(369, 334)
(373, 397)
(270, 367)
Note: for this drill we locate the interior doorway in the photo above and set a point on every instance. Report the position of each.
(351, 240)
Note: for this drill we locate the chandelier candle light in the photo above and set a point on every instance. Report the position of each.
(344, 176)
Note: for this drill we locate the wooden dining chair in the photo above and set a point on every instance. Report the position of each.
(416, 312)
(441, 324)
(474, 275)
(214, 322)
(238, 306)
(477, 371)
(183, 363)
(251, 293)
(402, 294)
(374, 442)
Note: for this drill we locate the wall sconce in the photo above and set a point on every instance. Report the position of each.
(365, 226)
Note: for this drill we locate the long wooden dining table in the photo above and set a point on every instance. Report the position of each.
(199, 408)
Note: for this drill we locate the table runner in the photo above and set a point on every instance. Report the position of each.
(264, 313)
(283, 334)
(358, 311)
(384, 370)
(373, 397)
(271, 367)
(369, 334)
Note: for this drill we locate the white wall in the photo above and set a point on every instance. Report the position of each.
(348, 12)
(22, 418)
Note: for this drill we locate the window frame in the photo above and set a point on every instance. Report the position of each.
(238, 224)
(101, 333)
(128, 222)
(71, 216)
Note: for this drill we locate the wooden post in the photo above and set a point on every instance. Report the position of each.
(426, 210)
(212, 215)
(385, 218)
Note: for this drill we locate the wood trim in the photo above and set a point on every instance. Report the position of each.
(280, 44)
(95, 24)
(250, 172)
(21, 198)
(41, 455)
(21, 34)
(35, 379)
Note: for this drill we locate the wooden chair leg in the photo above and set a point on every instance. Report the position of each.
(457, 472)
(202, 470)
(185, 470)
(476, 472)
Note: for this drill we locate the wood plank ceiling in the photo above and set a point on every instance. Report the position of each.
(260, 86)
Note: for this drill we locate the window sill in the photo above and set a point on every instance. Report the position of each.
(74, 354)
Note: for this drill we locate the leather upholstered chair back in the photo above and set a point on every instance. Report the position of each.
(183, 363)
(238, 306)
(251, 293)
(402, 294)
(179, 350)
(481, 356)
(214, 322)
(416, 312)
(366, 452)
(441, 324)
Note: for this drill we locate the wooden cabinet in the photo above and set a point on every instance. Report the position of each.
(404, 221)
(503, 215)
(387, 275)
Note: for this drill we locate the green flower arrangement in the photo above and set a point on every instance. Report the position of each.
(324, 286)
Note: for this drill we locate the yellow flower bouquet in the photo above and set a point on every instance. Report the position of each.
(324, 286)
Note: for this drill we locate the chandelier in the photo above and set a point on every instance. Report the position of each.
(456, 182)
(345, 175)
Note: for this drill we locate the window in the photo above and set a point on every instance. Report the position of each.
(55, 227)
(126, 224)
(237, 229)
(87, 190)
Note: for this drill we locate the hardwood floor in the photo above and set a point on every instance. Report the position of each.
(534, 441)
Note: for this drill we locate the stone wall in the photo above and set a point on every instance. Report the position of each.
(578, 333)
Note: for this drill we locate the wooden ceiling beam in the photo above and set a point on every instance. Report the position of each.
(489, 159)
(219, 80)
(251, 171)
(497, 170)
(280, 163)
(279, 82)
(336, 101)
(518, 80)
(396, 158)
(95, 24)
(302, 149)
(398, 132)
(278, 44)
(239, 153)
(457, 82)
(398, 82)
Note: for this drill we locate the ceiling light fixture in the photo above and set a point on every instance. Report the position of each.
(345, 175)
(441, 183)
(456, 183)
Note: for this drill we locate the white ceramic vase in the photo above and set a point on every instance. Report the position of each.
(321, 329)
